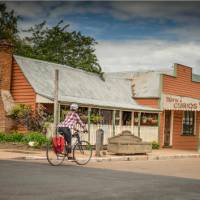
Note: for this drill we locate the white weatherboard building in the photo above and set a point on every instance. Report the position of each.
(107, 104)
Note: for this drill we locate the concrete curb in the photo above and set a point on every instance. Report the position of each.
(124, 158)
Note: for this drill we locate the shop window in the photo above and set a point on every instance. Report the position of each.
(147, 119)
(188, 122)
(64, 109)
(95, 116)
(83, 113)
(126, 118)
(106, 117)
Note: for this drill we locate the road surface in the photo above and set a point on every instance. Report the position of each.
(33, 180)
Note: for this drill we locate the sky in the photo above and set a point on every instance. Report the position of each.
(131, 35)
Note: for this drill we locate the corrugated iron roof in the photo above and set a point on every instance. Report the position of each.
(146, 84)
(78, 86)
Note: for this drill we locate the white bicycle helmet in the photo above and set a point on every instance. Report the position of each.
(74, 107)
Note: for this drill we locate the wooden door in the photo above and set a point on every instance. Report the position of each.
(167, 128)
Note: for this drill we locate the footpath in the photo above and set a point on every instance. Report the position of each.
(17, 153)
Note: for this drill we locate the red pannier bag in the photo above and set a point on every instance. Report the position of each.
(58, 144)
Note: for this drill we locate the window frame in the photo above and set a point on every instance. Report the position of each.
(194, 123)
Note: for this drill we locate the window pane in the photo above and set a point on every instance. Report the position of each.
(126, 118)
(106, 117)
(188, 123)
(147, 119)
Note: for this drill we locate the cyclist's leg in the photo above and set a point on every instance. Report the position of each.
(68, 138)
(66, 132)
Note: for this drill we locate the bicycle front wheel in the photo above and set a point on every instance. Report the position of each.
(82, 152)
(54, 158)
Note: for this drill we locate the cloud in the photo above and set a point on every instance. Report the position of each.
(149, 54)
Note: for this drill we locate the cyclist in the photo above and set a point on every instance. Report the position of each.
(71, 120)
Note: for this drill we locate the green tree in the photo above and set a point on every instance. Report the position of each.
(53, 44)
(8, 24)
(56, 44)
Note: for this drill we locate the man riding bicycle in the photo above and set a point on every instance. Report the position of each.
(64, 128)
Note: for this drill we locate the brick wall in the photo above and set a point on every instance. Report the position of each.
(5, 65)
(5, 81)
(152, 102)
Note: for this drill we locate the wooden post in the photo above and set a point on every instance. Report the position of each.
(89, 115)
(120, 121)
(59, 112)
(113, 122)
(139, 120)
(55, 121)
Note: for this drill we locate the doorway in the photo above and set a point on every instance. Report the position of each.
(167, 130)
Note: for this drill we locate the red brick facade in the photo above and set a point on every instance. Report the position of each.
(13, 81)
(152, 102)
(181, 84)
(5, 81)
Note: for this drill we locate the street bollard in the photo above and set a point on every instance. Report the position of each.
(99, 141)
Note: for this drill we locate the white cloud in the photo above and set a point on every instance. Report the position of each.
(150, 54)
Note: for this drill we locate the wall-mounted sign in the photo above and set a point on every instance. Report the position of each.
(171, 102)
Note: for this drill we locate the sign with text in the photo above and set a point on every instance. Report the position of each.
(171, 102)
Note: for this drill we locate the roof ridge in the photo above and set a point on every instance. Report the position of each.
(60, 65)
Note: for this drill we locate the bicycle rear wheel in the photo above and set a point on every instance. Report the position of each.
(82, 152)
(54, 158)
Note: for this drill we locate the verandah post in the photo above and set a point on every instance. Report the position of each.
(139, 120)
(132, 122)
(55, 120)
(113, 122)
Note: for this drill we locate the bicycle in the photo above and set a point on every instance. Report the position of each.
(81, 151)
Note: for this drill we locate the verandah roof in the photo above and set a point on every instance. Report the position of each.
(78, 86)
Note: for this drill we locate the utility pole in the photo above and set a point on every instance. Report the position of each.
(55, 121)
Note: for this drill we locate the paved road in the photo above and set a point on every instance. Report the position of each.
(26, 180)
(183, 168)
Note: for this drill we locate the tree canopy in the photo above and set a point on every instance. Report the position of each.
(54, 44)
(8, 24)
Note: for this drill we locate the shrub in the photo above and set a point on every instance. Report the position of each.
(32, 120)
(2, 137)
(19, 112)
(13, 137)
(39, 138)
(155, 145)
(36, 137)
